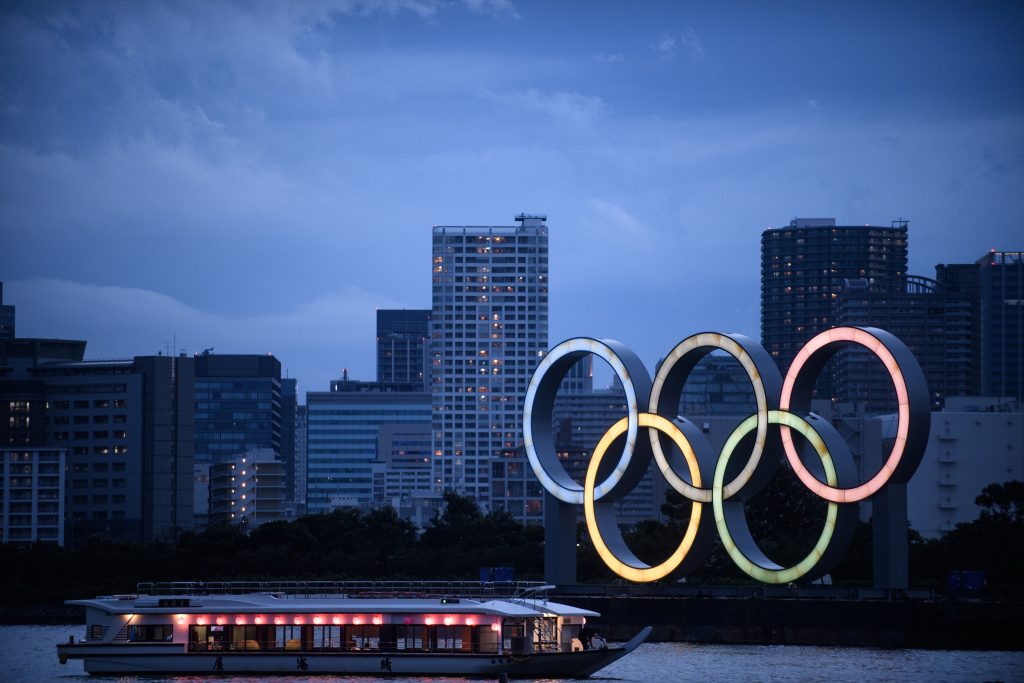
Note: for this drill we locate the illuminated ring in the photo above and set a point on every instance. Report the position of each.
(668, 386)
(759, 567)
(539, 408)
(601, 515)
(911, 393)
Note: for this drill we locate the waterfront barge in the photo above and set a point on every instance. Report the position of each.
(372, 628)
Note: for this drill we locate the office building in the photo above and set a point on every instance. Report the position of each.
(803, 267)
(32, 495)
(343, 428)
(126, 429)
(403, 471)
(489, 329)
(7, 326)
(238, 405)
(402, 345)
(1001, 277)
(994, 285)
(935, 323)
(238, 408)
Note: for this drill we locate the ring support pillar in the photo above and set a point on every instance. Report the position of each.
(559, 541)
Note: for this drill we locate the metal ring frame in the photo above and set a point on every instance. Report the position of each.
(684, 455)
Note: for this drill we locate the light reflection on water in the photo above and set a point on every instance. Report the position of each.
(28, 655)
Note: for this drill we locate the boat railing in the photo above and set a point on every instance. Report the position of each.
(352, 589)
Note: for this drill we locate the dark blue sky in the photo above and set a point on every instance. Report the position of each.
(260, 177)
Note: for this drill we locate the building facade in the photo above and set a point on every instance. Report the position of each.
(1001, 277)
(402, 345)
(7, 319)
(489, 329)
(32, 495)
(248, 490)
(935, 323)
(126, 429)
(803, 268)
(343, 428)
(238, 408)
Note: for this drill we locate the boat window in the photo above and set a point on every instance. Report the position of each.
(412, 638)
(151, 633)
(247, 638)
(326, 637)
(288, 637)
(452, 638)
(364, 637)
(95, 631)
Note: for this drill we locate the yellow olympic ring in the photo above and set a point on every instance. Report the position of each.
(633, 569)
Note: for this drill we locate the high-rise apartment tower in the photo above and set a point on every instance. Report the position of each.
(803, 267)
(489, 329)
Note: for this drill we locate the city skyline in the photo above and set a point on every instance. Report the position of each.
(264, 179)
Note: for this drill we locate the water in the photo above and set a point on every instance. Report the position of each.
(28, 655)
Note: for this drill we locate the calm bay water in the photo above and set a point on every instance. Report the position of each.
(28, 655)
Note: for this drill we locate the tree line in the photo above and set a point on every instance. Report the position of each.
(348, 544)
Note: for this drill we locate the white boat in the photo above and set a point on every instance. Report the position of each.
(475, 629)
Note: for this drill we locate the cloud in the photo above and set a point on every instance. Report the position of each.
(335, 326)
(615, 222)
(569, 107)
(672, 41)
(493, 7)
(614, 58)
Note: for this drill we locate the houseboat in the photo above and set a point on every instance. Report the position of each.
(474, 629)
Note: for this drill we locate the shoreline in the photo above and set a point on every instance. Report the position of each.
(887, 624)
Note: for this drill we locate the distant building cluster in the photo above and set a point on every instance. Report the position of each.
(145, 448)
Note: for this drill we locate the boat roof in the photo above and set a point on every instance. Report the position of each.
(507, 599)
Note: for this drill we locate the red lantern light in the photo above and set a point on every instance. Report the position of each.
(496, 626)
(259, 620)
(221, 621)
(378, 620)
(448, 621)
(278, 620)
(240, 620)
(336, 620)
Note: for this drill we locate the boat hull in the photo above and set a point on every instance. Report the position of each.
(113, 660)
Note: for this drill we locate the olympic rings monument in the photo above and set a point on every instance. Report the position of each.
(783, 426)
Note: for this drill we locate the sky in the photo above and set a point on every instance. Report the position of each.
(260, 177)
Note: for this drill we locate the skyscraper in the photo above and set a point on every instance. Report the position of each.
(401, 345)
(803, 267)
(489, 329)
(1001, 275)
